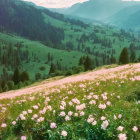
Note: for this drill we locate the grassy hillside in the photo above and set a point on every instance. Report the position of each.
(90, 107)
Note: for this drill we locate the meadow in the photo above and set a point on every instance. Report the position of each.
(103, 104)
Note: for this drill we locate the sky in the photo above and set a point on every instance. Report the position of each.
(59, 3)
(56, 3)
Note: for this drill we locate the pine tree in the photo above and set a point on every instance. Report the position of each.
(133, 56)
(124, 58)
(88, 64)
(52, 68)
(16, 76)
(81, 61)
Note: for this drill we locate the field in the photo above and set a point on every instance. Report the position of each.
(103, 104)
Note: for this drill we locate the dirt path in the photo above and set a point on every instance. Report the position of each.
(110, 73)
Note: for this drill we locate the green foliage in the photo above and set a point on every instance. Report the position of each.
(16, 76)
(10, 84)
(42, 68)
(24, 76)
(124, 58)
(38, 76)
(88, 64)
(52, 68)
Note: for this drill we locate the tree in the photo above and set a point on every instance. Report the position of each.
(133, 56)
(124, 58)
(88, 64)
(38, 76)
(10, 84)
(52, 68)
(24, 76)
(81, 61)
(16, 76)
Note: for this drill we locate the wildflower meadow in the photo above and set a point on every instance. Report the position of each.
(106, 107)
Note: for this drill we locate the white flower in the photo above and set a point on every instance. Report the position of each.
(70, 113)
(64, 133)
(23, 137)
(94, 123)
(35, 116)
(103, 118)
(120, 128)
(76, 114)
(22, 117)
(62, 107)
(53, 125)
(14, 122)
(105, 124)
(115, 118)
(3, 125)
(108, 103)
(62, 114)
(70, 103)
(67, 118)
(122, 136)
(29, 111)
(35, 107)
(135, 128)
(92, 102)
(118, 97)
(81, 107)
(102, 106)
(82, 113)
(24, 112)
(90, 120)
(119, 116)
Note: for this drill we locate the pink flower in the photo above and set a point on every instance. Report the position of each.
(135, 128)
(23, 137)
(3, 125)
(122, 136)
(64, 133)
(120, 128)
(104, 124)
(53, 125)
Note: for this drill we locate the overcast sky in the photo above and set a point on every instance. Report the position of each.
(59, 3)
(56, 3)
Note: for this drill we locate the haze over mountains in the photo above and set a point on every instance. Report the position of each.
(117, 12)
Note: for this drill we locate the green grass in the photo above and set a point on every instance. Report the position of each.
(120, 100)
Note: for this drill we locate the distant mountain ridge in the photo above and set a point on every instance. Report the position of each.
(96, 9)
(127, 18)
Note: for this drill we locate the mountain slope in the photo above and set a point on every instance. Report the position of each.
(127, 18)
(28, 21)
(96, 9)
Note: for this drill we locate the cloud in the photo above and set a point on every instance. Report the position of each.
(56, 3)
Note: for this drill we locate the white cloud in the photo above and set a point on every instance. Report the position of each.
(56, 3)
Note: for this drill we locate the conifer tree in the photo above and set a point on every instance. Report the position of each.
(88, 63)
(16, 76)
(133, 56)
(124, 58)
(52, 68)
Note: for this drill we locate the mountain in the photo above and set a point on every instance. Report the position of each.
(32, 38)
(96, 9)
(127, 18)
(28, 21)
